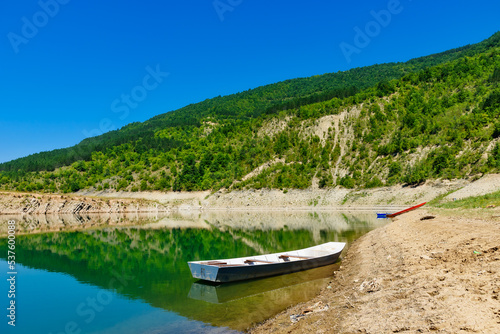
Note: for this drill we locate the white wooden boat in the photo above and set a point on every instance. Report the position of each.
(243, 268)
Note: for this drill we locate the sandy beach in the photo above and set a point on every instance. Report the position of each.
(439, 275)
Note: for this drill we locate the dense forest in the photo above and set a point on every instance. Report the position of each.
(431, 117)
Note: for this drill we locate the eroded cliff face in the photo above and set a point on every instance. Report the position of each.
(18, 203)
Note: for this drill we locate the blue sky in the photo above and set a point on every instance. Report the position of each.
(71, 69)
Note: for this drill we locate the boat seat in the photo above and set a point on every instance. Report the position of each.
(213, 263)
(286, 256)
(262, 261)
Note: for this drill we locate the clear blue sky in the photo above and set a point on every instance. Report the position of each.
(71, 68)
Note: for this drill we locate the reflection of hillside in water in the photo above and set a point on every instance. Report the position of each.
(254, 220)
(154, 259)
(259, 228)
(69, 222)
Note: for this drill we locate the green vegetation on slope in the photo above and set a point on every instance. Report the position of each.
(431, 117)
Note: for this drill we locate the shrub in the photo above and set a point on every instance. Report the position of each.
(374, 183)
(347, 182)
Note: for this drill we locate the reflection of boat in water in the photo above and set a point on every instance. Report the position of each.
(250, 267)
(226, 292)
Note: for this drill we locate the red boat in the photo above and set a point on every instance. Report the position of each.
(390, 215)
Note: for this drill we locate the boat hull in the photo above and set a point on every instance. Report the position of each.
(392, 215)
(223, 274)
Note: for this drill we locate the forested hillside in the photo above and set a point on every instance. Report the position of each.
(432, 117)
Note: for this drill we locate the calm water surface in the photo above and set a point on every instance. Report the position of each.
(134, 278)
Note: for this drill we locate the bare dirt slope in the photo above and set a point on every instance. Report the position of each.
(440, 275)
(485, 185)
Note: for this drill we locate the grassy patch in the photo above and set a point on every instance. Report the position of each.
(436, 202)
(354, 196)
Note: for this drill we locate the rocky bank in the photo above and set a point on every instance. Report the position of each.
(36, 204)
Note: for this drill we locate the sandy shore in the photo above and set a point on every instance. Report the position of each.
(411, 276)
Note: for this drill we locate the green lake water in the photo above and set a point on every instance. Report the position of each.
(134, 278)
